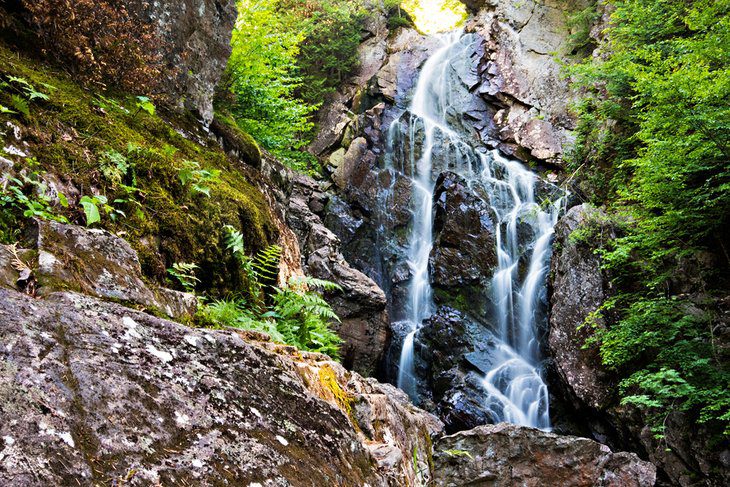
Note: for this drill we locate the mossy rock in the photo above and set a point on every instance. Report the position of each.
(165, 221)
(236, 142)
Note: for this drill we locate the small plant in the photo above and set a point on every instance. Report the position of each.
(295, 314)
(198, 179)
(144, 104)
(458, 453)
(92, 206)
(185, 274)
(29, 195)
(21, 94)
(114, 166)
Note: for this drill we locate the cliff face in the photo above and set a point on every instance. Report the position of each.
(195, 37)
(578, 286)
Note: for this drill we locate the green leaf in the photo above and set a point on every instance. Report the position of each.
(145, 104)
(91, 210)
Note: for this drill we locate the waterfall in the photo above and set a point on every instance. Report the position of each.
(426, 140)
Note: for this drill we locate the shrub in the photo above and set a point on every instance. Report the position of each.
(100, 39)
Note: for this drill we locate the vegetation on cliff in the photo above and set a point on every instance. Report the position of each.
(654, 145)
(287, 57)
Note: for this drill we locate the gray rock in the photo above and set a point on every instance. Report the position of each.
(195, 39)
(100, 264)
(507, 455)
(92, 393)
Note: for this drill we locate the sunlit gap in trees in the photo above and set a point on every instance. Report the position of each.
(433, 16)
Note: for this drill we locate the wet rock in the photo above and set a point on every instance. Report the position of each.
(195, 38)
(506, 455)
(95, 393)
(100, 264)
(453, 354)
(464, 250)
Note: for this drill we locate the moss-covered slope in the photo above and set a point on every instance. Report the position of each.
(72, 141)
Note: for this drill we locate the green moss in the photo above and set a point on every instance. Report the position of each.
(166, 223)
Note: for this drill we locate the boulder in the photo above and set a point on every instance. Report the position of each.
(507, 455)
(91, 261)
(453, 355)
(93, 393)
(577, 288)
(195, 39)
(464, 249)
(686, 454)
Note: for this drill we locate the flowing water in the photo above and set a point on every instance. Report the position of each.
(426, 140)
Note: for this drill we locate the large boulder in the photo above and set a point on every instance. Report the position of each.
(463, 257)
(453, 355)
(195, 43)
(93, 393)
(506, 455)
(92, 261)
(577, 288)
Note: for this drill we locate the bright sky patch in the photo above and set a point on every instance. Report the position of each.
(433, 16)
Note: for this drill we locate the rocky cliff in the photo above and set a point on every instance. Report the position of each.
(94, 392)
(685, 456)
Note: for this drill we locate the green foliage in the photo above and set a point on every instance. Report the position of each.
(145, 104)
(21, 93)
(656, 124)
(262, 75)
(114, 166)
(328, 53)
(196, 179)
(92, 206)
(28, 195)
(184, 273)
(287, 57)
(303, 316)
(295, 314)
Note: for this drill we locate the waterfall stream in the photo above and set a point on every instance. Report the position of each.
(426, 140)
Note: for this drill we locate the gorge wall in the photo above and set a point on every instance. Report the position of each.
(99, 386)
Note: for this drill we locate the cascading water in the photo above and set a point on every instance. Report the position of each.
(426, 140)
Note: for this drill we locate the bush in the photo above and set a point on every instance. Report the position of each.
(102, 42)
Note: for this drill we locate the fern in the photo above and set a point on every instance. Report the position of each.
(266, 263)
(234, 242)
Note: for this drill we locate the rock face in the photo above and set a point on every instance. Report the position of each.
(578, 287)
(520, 79)
(506, 455)
(95, 393)
(94, 262)
(361, 305)
(195, 44)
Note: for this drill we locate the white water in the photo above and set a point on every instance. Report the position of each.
(515, 391)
